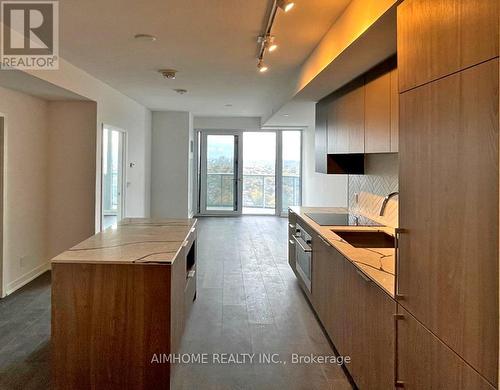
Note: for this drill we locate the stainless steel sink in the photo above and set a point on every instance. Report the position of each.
(367, 239)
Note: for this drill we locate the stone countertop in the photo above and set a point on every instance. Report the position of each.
(378, 264)
(134, 240)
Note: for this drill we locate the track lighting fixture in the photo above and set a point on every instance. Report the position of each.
(286, 5)
(266, 40)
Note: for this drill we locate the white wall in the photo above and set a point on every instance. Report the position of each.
(170, 158)
(72, 170)
(115, 109)
(25, 189)
(317, 189)
(227, 123)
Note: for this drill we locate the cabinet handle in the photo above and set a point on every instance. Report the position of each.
(291, 242)
(324, 241)
(291, 226)
(306, 248)
(363, 276)
(397, 383)
(191, 274)
(398, 294)
(192, 230)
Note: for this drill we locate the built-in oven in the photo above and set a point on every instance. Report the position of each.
(303, 255)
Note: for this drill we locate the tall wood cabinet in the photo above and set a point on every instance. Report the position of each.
(439, 37)
(449, 190)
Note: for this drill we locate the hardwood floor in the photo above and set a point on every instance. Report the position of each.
(248, 301)
(25, 337)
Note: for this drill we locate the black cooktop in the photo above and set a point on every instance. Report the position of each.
(341, 219)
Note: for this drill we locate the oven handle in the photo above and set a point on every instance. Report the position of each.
(303, 245)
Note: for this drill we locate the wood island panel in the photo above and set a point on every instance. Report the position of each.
(107, 322)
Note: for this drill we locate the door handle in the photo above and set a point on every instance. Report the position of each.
(306, 248)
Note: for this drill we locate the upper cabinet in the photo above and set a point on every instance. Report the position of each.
(394, 110)
(361, 117)
(346, 128)
(321, 138)
(378, 117)
(438, 38)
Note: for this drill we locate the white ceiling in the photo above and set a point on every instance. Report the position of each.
(211, 42)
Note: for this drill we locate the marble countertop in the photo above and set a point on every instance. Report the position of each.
(134, 240)
(378, 264)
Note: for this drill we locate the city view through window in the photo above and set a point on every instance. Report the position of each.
(259, 171)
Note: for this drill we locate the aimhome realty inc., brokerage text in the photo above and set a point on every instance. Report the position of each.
(247, 358)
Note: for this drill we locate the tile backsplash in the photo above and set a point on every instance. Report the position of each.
(367, 192)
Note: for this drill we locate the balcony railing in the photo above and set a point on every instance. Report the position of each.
(259, 191)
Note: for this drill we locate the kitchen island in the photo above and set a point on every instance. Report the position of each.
(119, 299)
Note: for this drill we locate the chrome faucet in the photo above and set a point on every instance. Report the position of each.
(384, 203)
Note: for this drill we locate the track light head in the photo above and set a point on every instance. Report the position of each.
(286, 5)
(262, 66)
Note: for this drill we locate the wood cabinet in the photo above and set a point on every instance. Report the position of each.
(345, 123)
(394, 111)
(328, 293)
(368, 331)
(438, 38)
(378, 111)
(449, 191)
(361, 117)
(320, 137)
(424, 362)
(357, 315)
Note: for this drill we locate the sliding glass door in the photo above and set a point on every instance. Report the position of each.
(220, 173)
(248, 172)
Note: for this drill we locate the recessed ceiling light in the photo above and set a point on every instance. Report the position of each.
(145, 37)
(286, 114)
(286, 5)
(169, 74)
(181, 91)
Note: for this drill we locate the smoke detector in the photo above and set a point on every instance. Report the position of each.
(169, 74)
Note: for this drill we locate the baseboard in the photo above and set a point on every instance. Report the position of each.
(26, 278)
